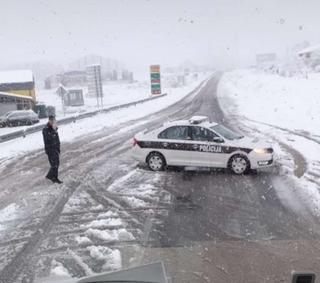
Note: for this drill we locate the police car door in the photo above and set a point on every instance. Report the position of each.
(206, 151)
(175, 144)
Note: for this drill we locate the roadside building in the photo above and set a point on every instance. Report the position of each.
(74, 97)
(70, 97)
(17, 90)
(10, 102)
(311, 56)
(72, 78)
(19, 82)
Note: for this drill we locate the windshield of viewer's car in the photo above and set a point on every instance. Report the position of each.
(185, 132)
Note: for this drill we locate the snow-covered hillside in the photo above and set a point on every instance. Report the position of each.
(287, 112)
(292, 103)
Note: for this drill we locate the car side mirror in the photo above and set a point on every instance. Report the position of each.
(218, 140)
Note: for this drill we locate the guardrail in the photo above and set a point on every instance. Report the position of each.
(73, 118)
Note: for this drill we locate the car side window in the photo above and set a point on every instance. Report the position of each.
(175, 133)
(14, 115)
(202, 134)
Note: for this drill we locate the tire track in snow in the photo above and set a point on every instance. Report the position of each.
(18, 264)
(24, 261)
(301, 165)
(300, 133)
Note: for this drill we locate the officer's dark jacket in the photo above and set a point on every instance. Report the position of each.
(51, 139)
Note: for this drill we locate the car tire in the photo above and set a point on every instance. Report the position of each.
(29, 123)
(156, 161)
(239, 164)
(253, 171)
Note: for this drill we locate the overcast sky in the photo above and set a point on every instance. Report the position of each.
(219, 32)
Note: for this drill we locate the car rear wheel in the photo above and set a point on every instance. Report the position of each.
(239, 164)
(156, 161)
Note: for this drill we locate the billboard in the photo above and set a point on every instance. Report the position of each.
(95, 83)
(155, 78)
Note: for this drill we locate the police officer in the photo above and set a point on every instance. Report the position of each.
(52, 148)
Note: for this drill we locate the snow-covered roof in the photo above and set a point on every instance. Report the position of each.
(16, 95)
(309, 49)
(16, 76)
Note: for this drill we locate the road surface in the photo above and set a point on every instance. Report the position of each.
(207, 226)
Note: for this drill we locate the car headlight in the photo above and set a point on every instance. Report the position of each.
(263, 150)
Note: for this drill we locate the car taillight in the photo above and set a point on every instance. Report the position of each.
(135, 141)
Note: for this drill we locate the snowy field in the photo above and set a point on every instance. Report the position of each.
(96, 220)
(97, 122)
(292, 103)
(286, 110)
(115, 93)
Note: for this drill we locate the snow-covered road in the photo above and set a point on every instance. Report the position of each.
(101, 210)
(285, 110)
(111, 213)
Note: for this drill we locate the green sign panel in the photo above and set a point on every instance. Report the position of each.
(155, 75)
(155, 79)
(155, 86)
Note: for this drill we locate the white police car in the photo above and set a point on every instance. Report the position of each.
(197, 142)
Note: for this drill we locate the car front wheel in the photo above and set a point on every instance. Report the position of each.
(239, 164)
(156, 161)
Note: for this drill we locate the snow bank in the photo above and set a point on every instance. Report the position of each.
(292, 103)
(9, 213)
(111, 258)
(286, 110)
(86, 126)
(59, 270)
(83, 240)
(135, 202)
(112, 222)
(110, 235)
(107, 214)
(79, 201)
(114, 94)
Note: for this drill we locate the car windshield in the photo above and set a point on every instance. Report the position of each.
(226, 133)
(14, 114)
(179, 132)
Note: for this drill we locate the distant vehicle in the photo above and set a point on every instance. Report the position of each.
(3, 120)
(51, 110)
(19, 118)
(41, 110)
(199, 143)
(44, 111)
